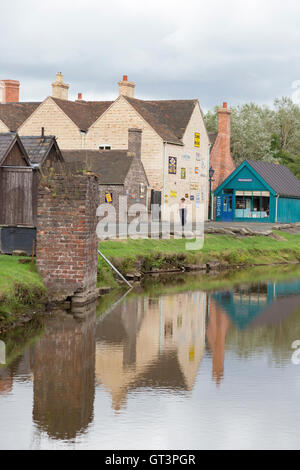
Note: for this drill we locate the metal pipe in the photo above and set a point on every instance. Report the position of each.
(114, 268)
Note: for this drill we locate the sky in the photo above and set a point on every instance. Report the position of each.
(215, 51)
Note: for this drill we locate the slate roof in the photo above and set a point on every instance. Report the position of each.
(7, 140)
(112, 166)
(278, 177)
(169, 118)
(37, 147)
(14, 114)
(5, 143)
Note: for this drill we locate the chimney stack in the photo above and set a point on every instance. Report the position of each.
(59, 88)
(9, 91)
(220, 156)
(126, 88)
(135, 142)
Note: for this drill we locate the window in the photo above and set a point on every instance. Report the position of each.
(104, 147)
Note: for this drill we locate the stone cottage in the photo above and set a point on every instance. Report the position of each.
(175, 147)
(120, 174)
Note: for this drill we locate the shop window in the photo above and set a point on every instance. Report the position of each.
(252, 207)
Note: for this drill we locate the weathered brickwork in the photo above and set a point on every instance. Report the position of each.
(220, 157)
(66, 251)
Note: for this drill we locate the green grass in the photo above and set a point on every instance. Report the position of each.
(146, 255)
(20, 289)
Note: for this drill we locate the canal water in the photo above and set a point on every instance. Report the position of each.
(172, 367)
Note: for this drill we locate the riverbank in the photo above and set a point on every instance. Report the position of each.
(22, 292)
(137, 257)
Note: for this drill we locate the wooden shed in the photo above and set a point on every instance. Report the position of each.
(21, 161)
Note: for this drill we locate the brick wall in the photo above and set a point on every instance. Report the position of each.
(66, 251)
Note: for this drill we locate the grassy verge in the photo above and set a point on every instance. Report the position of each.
(20, 290)
(146, 255)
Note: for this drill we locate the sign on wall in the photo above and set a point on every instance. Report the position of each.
(183, 173)
(192, 197)
(197, 139)
(194, 186)
(108, 197)
(173, 193)
(186, 157)
(172, 165)
(198, 157)
(198, 200)
(219, 207)
(196, 170)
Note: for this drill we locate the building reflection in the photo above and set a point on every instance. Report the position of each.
(151, 342)
(63, 365)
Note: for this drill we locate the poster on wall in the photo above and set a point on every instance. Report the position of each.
(172, 165)
(197, 139)
(183, 173)
(108, 197)
(219, 207)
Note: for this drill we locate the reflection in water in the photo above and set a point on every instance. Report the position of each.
(151, 342)
(63, 365)
(158, 344)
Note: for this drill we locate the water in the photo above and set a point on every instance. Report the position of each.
(184, 369)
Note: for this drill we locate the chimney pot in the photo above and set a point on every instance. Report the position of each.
(225, 105)
(125, 78)
(79, 96)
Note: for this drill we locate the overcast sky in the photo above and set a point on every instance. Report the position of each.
(212, 50)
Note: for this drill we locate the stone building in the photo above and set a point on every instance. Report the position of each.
(120, 174)
(175, 147)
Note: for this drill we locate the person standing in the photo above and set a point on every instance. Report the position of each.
(182, 212)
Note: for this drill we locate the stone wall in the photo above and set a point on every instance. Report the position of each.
(66, 252)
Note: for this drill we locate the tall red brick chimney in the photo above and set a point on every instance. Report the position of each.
(9, 91)
(220, 157)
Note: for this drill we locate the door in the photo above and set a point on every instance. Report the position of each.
(156, 205)
(227, 208)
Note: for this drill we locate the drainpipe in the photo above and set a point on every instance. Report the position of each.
(276, 207)
(164, 176)
(82, 139)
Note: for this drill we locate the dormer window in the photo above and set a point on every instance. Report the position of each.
(104, 147)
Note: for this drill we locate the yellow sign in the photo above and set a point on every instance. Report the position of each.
(197, 139)
(173, 193)
(108, 197)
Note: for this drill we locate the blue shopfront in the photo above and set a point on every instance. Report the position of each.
(260, 192)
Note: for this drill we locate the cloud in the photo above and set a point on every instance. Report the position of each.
(239, 51)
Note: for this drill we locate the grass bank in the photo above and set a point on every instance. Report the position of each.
(148, 255)
(20, 291)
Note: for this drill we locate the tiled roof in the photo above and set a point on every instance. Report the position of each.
(37, 147)
(112, 166)
(14, 114)
(83, 113)
(169, 118)
(278, 177)
(212, 137)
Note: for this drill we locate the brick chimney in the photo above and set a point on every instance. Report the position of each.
(220, 156)
(135, 142)
(9, 91)
(59, 88)
(126, 88)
